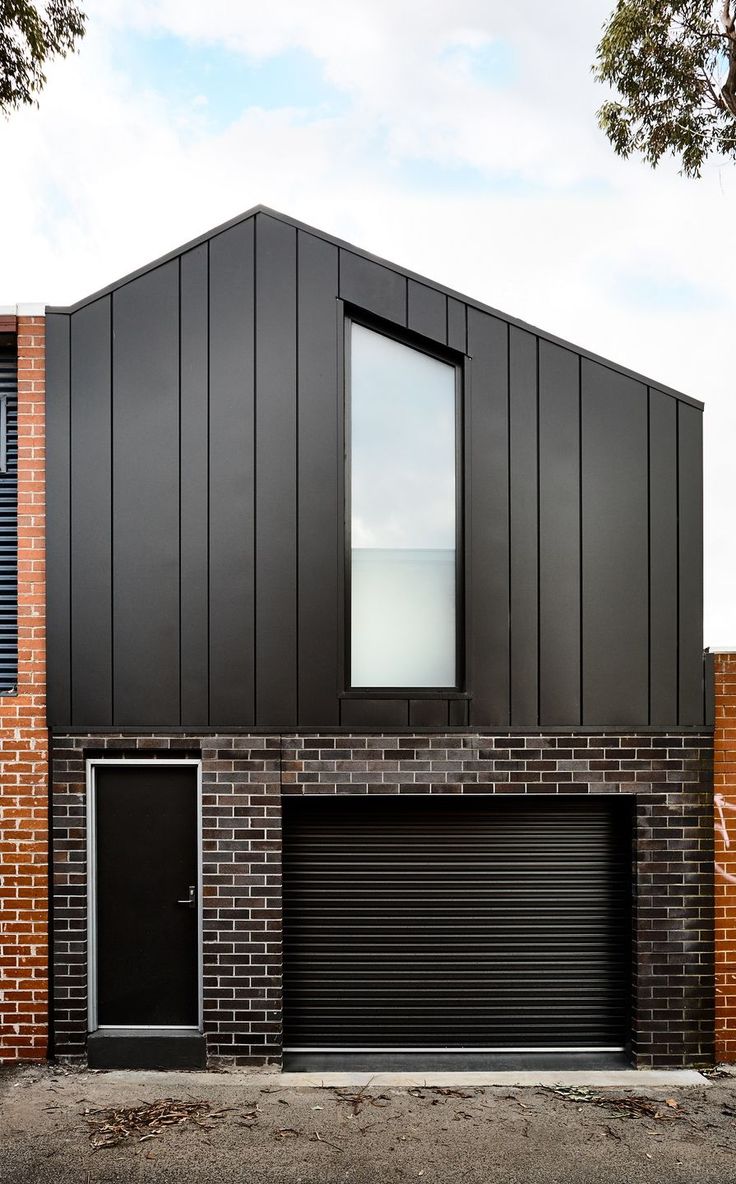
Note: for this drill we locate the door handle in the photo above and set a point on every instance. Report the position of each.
(191, 899)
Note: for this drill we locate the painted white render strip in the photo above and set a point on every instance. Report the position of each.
(264, 1077)
(638, 1079)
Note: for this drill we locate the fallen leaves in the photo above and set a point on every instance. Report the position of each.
(357, 1099)
(111, 1126)
(631, 1105)
(440, 1091)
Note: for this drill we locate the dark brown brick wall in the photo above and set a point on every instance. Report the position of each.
(243, 779)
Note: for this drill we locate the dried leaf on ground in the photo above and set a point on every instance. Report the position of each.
(317, 1138)
(250, 1118)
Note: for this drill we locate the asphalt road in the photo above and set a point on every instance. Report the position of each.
(228, 1127)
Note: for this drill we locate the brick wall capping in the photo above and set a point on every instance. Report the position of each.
(355, 730)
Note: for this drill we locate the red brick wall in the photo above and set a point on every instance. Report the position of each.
(724, 779)
(24, 742)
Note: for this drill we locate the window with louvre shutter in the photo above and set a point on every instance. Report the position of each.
(8, 520)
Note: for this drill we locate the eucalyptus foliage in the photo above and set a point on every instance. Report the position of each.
(30, 34)
(673, 64)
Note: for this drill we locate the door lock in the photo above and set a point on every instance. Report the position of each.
(191, 899)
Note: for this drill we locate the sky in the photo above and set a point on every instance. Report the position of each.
(457, 138)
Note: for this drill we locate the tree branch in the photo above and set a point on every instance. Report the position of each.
(728, 89)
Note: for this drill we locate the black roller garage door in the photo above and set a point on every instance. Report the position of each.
(450, 923)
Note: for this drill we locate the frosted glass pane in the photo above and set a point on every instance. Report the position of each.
(402, 425)
(403, 619)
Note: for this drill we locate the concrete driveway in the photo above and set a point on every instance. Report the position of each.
(77, 1127)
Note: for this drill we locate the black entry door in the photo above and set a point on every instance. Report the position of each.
(146, 865)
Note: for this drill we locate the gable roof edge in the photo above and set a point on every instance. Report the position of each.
(369, 255)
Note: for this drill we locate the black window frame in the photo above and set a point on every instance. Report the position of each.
(399, 333)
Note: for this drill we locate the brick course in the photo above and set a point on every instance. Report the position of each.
(244, 778)
(24, 741)
(724, 786)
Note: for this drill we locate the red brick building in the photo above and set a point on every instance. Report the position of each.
(24, 929)
(724, 785)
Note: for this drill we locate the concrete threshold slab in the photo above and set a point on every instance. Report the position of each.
(633, 1079)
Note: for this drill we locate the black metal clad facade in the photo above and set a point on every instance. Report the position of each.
(9, 521)
(440, 924)
(195, 469)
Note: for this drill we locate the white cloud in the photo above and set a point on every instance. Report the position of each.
(106, 175)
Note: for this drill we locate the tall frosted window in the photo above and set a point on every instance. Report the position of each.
(403, 517)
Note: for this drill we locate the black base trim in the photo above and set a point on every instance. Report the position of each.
(170, 1050)
(464, 1062)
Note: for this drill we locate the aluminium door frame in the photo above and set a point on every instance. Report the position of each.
(92, 764)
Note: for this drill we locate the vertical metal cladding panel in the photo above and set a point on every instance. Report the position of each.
(456, 325)
(487, 520)
(232, 477)
(427, 311)
(452, 924)
(559, 535)
(9, 525)
(91, 514)
(615, 538)
(276, 483)
(145, 498)
(58, 525)
(374, 713)
(372, 287)
(690, 475)
(663, 513)
(318, 477)
(194, 491)
(523, 525)
(429, 713)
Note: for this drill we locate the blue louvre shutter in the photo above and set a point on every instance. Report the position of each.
(8, 521)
